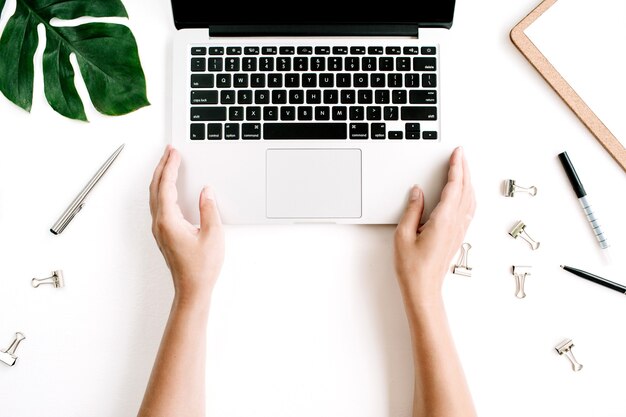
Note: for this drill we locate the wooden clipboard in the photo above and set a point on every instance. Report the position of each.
(562, 88)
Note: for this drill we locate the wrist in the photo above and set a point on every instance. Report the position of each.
(193, 302)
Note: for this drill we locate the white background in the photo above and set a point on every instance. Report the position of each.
(308, 320)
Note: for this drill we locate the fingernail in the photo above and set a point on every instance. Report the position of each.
(208, 193)
(415, 193)
(460, 148)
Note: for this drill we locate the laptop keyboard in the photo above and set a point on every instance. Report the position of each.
(313, 93)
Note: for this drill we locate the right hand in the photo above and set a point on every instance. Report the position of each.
(423, 253)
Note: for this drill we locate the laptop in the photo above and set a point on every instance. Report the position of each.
(308, 113)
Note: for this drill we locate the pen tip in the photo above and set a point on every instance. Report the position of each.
(562, 266)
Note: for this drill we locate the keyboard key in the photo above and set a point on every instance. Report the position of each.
(340, 50)
(357, 50)
(214, 131)
(375, 50)
(275, 80)
(269, 50)
(223, 81)
(335, 64)
(373, 113)
(419, 113)
(251, 50)
(249, 64)
(360, 80)
(266, 64)
(253, 113)
(278, 131)
(208, 114)
(429, 135)
(352, 64)
(344, 80)
(292, 80)
(279, 97)
(204, 97)
(340, 113)
(385, 63)
(198, 50)
(393, 50)
(305, 50)
(429, 80)
(197, 131)
(411, 50)
(357, 113)
(240, 80)
(283, 63)
(348, 97)
(423, 97)
(305, 113)
(313, 97)
(235, 113)
(261, 97)
(296, 97)
(270, 113)
(331, 96)
(395, 134)
(215, 64)
(381, 96)
(216, 50)
(244, 97)
(257, 80)
(232, 64)
(318, 64)
(327, 80)
(251, 131)
(322, 50)
(429, 50)
(412, 127)
(301, 63)
(377, 80)
(424, 64)
(368, 64)
(394, 80)
(411, 80)
(390, 113)
(198, 64)
(358, 131)
(322, 113)
(365, 96)
(227, 97)
(202, 81)
(309, 80)
(398, 96)
(403, 64)
(233, 50)
(231, 131)
(287, 50)
(287, 113)
(413, 134)
(378, 131)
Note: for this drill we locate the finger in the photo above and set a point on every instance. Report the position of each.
(167, 186)
(209, 214)
(410, 221)
(469, 197)
(451, 193)
(156, 179)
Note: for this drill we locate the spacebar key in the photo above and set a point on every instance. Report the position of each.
(288, 131)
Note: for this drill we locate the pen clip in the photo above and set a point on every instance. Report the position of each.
(63, 222)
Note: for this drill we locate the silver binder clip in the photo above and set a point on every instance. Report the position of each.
(462, 268)
(510, 188)
(519, 230)
(520, 273)
(565, 348)
(8, 356)
(56, 280)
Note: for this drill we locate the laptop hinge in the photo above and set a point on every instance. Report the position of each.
(313, 30)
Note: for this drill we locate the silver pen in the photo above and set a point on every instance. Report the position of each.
(79, 201)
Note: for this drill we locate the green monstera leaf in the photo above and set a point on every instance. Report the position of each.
(106, 54)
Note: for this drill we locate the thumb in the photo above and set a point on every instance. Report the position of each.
(209, 214)
(413, 214)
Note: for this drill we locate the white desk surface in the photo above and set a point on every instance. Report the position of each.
(308, 320)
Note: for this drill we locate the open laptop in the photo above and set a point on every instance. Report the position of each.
(308, 113)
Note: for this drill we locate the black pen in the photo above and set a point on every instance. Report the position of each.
(594, 278)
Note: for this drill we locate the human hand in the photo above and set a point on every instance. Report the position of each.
(193, 255)
(423, 253)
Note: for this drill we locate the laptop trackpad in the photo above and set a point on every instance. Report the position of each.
(313, 183)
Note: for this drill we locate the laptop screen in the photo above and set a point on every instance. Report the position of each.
(201, 14)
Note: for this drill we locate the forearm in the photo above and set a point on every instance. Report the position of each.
(177, 383)
(440, 386)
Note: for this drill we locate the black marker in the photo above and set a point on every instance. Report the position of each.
(594, 278)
